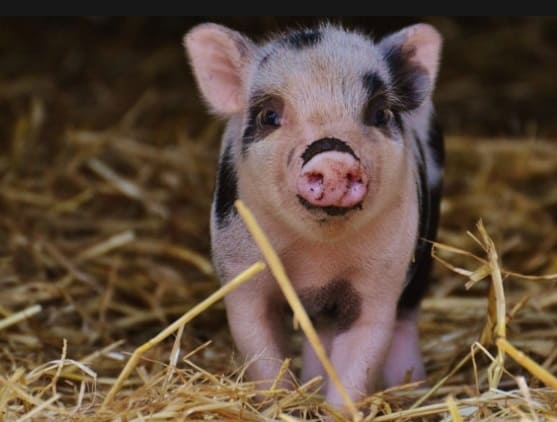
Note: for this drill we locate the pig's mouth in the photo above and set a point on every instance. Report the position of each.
(329, 210)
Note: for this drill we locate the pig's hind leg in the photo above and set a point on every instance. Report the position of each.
(404, 361)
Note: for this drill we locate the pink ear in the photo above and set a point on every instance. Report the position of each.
(219, 57)
(412, 55)
(425, 41)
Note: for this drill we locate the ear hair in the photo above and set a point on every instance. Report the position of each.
(219, 57)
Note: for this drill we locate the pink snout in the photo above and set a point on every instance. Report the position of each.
(332, 179)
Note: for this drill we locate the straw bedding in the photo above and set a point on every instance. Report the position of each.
(104, 243)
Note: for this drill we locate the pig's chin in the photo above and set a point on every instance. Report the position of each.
(328, 212)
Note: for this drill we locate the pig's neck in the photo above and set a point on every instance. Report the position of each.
(384, 247)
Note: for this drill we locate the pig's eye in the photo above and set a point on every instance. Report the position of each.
(382, 117)
(377, 113)
(268, 117)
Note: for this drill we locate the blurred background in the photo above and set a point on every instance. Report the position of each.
(497, 75)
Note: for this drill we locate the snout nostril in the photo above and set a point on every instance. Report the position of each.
(314, 181)
(314, 178)
(332, 179)
(354, 177)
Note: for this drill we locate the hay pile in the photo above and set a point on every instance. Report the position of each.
(104, 243)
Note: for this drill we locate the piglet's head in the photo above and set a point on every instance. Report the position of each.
(323, 116)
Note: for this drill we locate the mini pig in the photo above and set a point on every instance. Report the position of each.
(332, 143)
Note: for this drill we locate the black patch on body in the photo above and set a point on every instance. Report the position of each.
(326, 144)
(410, 82)
(436, 142)
(337, 304)
(419, 273)
(248, 136)
(330, 210)
(302, 39)
(226, 189)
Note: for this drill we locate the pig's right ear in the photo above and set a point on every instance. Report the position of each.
(219, 57)
(413, 57)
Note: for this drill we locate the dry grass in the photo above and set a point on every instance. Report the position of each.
(91, 270)
(104, 243)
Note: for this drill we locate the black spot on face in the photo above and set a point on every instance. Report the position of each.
(258, 124)
(297, 40)
(226, 189)
(373, 84)
(326, 144)
(302, 39)
(379, 111)
(337, 304)
(410, 82)
(248, 137)
(331, 211)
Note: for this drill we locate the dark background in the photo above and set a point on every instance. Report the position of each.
(498, 74)
(119, 91)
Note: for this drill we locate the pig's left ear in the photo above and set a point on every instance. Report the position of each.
(219, 57)
(413, 57)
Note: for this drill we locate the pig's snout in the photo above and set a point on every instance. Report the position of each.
(332, 179)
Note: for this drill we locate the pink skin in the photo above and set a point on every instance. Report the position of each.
(333, 179)
(356, 369)
(311, 366)
(405, 358)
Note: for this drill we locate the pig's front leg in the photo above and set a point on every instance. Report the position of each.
(404, 357)
(255, 316)
(358, 352)
(311, 366)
